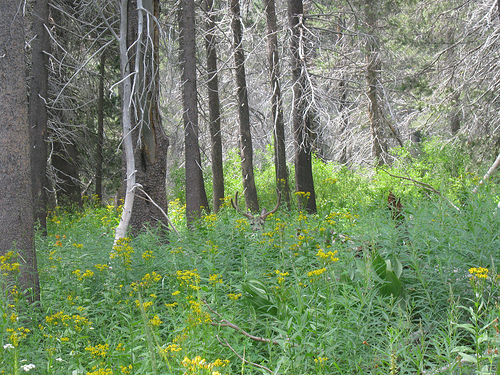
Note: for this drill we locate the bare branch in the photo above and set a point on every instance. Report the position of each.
(424, 185)
(226, 344)
(488, 174)
(158, 207)
(225, 323)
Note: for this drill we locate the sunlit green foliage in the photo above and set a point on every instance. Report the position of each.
(348, 290)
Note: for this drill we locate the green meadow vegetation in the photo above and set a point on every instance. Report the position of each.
(354, 289)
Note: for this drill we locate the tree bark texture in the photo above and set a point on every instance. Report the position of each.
(65, 164)
(150, 141)
(16, 200)
(302, 116)
(246, 148)
(276, 105)
(344, 104)
(100, 129)
(373, 69)
(37, 112)
(214, 107)
(196, 197)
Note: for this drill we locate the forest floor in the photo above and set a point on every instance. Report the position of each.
(351, 290)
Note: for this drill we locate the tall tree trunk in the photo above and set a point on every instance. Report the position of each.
(63, 136)
(214, 107)
(128, 144)
(65, 164)
(302, 116)
(276, 105)
(151, 142)
(246, 148)
(196, 197)
(344, 105)
(38, 111)
(16, 200)
(451, 57)
(343, 109)
(373, 67)
(100, 129)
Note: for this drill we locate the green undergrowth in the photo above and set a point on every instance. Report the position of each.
(351, 290)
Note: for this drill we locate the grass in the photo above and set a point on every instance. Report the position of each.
(346, 291)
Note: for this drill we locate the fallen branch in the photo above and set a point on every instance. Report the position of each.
(226, 344)
(424, 185)
(225, 323)
(488, 174)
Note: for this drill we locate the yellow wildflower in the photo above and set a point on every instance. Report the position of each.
(233, 296)
(100, 350)
(155, 322)
(479, 273)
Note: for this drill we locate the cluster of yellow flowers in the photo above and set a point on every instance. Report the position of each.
(60, 318)
(85, 275)
(281, 276)
(315, 274)
(197, 363)
(8, 263)
(101, 371)
(330, 256)
(478, 277)
(155, 321)
(242, 224)
(234, 296)
(126, 369)
(123, 251)
(210, 220)
(479, 273)
(172, 348)
(321, 360)
(147, 255)
(302, 194)
(215, 279)
(145, 305)
(102, 267)
(176, 210)
(16, 335)
(147, 281)
(197, 316)
(100, 350)
(188, 278)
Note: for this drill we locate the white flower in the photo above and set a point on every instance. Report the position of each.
(28, 367)
(59, 359)
(8, 346)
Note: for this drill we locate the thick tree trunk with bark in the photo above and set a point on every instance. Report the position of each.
(196, 197)
(302, 116)
(38, 111)
(65, 164)
(246, 148)
(150, 140)
(276, 105)
(16, 200)
(214, 107)
(373, 68)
